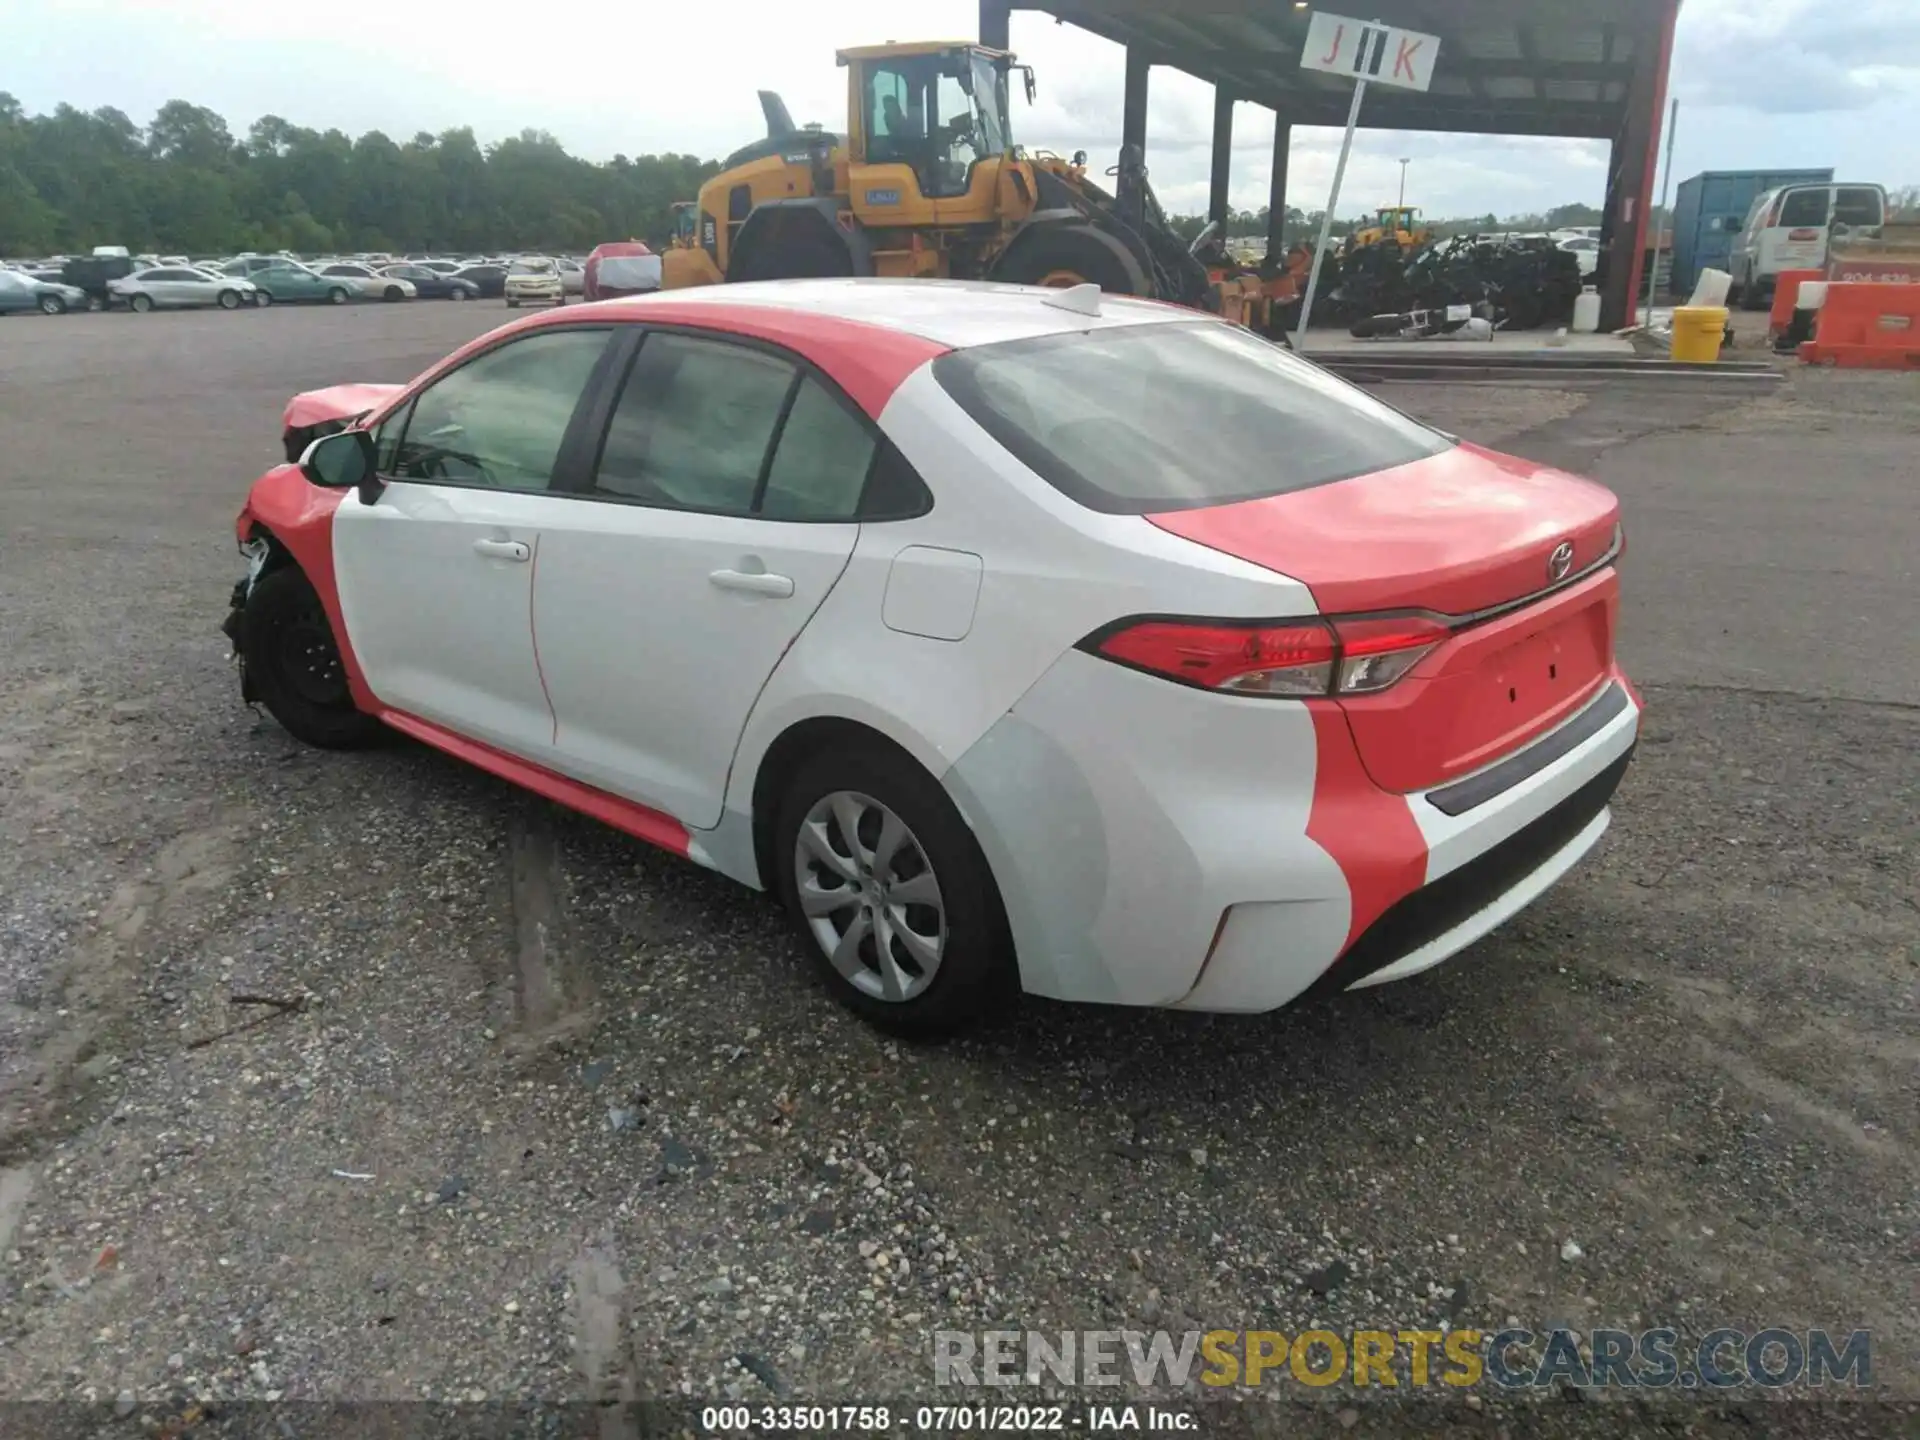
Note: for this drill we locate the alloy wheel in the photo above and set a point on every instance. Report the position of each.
(870, 897)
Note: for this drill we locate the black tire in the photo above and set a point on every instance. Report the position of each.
(140, 304)
(1070, 254)
(336, 296)
(262, 298)
(512, 304)
(976, 971)
(293, 664)
(229, 300)
(53, 305)
(811, 253)
(458, 292)
(392, 293)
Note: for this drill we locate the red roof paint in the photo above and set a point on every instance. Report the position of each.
(1455, 533)
(299, 514)
(1370, 833)
(336, 402)
(868, 361)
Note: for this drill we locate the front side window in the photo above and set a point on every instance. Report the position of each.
(1804, 208)
(1143, 418)
(498, 420)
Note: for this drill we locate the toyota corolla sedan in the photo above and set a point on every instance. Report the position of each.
(1017, 639)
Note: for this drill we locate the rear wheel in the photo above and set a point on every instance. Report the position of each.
(336, 296)
(293, 662)
(229, 299)
(1065, 255)
(894, 898)
(141, 303)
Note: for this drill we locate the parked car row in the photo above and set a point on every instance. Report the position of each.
(110, 277)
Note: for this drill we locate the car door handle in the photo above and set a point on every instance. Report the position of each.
(753, 582)
(503, 549)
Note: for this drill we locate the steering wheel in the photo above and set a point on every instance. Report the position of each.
(430, 462)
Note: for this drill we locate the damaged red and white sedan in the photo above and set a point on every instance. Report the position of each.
(1017, 639)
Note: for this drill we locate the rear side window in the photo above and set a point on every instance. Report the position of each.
(693, 425)
(1143, 418)
(730, 429)
(1858, 205)
(821, 464)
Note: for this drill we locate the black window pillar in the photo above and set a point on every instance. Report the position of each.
(1277, 188)
(1133, 114)
(993, 23)
(1218, 204)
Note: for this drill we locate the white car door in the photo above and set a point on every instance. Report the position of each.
(436, 574)
(720, 513)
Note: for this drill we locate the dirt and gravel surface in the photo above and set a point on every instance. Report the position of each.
(526, 1110)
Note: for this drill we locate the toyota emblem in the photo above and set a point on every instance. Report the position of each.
(1561, 561)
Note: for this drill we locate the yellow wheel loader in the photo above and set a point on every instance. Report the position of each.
(1398, 223)
(927, 182)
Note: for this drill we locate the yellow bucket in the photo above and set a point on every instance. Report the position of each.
(1698, 331)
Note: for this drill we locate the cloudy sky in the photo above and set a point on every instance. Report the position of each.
(1761, 83)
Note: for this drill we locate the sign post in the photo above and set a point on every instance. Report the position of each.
(1337, 45)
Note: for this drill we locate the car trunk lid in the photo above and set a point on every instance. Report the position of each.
(1515, 555)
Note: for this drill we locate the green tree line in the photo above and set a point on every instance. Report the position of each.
(74, 179)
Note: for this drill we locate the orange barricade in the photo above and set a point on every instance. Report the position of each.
(1786, 293)
(1867, 326)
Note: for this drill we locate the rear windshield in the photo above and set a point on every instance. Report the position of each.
(1144, 418)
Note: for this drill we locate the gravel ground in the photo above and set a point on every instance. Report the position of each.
(538, 1112)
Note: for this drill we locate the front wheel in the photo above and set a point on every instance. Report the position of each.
(262, 298)
(457, 293)
(140, 303)
(288, 648)
(336, 296)
(229, 299)
(52, 305)
(392, 293)
(512, 304)
(894, 898)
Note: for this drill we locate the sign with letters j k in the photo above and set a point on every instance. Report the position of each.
(1365, 50)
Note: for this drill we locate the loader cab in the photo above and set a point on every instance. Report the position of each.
(928, 133)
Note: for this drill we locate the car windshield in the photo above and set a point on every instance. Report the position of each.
(532, 267)
(1140, 418)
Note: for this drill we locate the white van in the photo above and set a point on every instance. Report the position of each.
(1788, 229)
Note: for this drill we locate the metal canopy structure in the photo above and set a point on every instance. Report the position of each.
(1585, 69)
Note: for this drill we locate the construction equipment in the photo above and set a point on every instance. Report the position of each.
(927, 183)
(1399, 223)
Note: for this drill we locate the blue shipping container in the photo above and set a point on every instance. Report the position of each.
(1710, 210)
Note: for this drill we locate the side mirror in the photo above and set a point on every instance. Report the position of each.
(1026, 73)
(343, 461)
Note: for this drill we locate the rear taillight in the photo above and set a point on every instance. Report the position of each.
(1345, 655)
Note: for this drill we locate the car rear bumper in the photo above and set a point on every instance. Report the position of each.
(1159, 845)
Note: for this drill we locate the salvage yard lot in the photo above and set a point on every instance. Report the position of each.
(615, 1136)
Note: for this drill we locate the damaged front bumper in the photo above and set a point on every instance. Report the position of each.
(234, 626)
